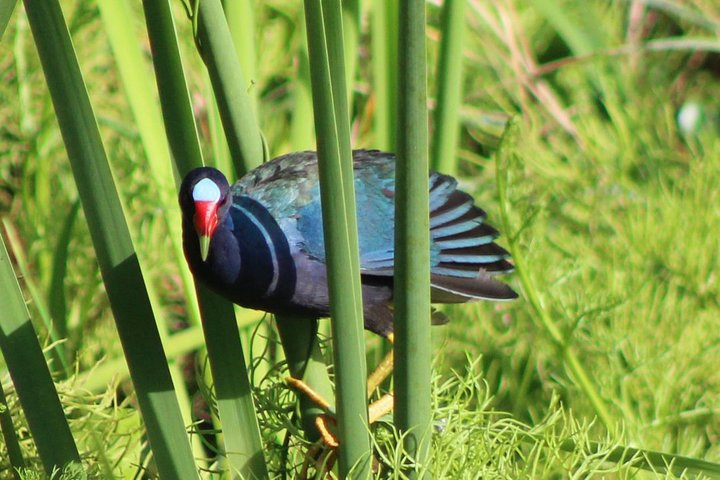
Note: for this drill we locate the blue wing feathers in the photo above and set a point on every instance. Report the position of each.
(463, 256)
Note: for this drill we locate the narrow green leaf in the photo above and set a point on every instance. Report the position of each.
(175, 103)
(118, 262)
(29, 371)
(413, 351)
(653, 461)
(446, 118)
(221, 158)
(240, 16)
(327, 68)
(56, 300)
(351, 35)
(301, 129)
(117, 17)
(230, 86)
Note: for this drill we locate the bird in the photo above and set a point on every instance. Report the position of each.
(260, 244)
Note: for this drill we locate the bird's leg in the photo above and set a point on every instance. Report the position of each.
(383, 370)
(314, 397)
(376, 410)
(381, 407)
(384, 405)
(323, 421)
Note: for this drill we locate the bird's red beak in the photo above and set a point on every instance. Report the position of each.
(206, 221)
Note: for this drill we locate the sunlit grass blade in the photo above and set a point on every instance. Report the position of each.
(56, 297)
(12, 444)
(29, 371)
(504, 159)
(230, 86)
(240, 16)
(221, 158)
(118, 262)
(327, 69)
(413, 351)
(301, 129)
(449, 77)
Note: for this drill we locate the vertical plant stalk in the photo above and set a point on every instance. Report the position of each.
(412, 240)
(241, 22)
(241, 433)
(221, 158)
(301, 129)
(175, 103)
(236, 110)
(503, 159)
(118, 262)
(384, 72)
(299, 336)
(446, 117)
(29, 371)
(240, 17)
(327, 70)
(351, 34)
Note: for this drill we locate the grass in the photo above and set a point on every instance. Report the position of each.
(612, 202)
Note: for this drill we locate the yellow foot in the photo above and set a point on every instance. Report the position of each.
(314, 397)
(322, 423)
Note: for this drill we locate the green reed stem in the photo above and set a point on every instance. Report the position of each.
(413, 351)
(327, 69)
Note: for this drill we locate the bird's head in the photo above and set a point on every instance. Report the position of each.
(204, 200)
